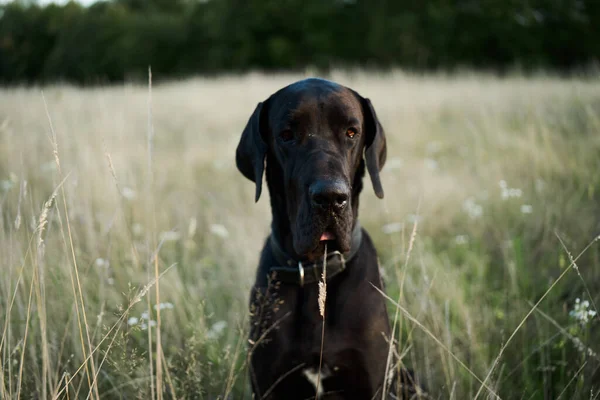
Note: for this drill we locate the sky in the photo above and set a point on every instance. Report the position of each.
(43, 2)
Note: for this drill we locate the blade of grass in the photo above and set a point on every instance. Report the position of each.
(71, 244)
(535, 306)
(435, 339)
(322, 299)
(400, 293)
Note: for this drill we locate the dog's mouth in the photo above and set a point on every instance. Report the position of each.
(330, 240)
(320, 233)
(327, 236)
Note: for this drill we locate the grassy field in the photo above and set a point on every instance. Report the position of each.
(106, 189)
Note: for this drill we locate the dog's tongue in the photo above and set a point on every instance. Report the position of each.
(327, 236)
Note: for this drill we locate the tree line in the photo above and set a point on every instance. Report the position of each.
(117, 40)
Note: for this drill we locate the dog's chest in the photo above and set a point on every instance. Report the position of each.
(325, 353)
(317, 378)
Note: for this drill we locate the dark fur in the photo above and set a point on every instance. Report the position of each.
(286, 324)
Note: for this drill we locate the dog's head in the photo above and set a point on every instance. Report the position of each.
(315, 137)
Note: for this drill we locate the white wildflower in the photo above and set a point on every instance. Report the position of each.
(433, 147)
(526, 209)
(392, 227)
(461, 239)
(6, 185)
(192, 226)
(507, 192)
(144, 325)
(48, 166)
(216, 330)
(163, 306)
(128, 193)
(581, 312)
(169, 236)
(220, 163)
(101, 263)
(138, 229)
(413, 218)
(393, 163)
(219, 230)
(431, 164)
(473, 209)
(540, 185)
(132, 321)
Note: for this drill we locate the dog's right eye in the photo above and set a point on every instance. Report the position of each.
(286, 135)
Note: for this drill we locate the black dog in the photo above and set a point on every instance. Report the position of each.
(312, 135)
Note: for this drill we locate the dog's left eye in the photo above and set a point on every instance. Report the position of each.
(286, 135)
(351, 132)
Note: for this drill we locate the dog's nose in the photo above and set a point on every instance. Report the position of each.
(329, 194)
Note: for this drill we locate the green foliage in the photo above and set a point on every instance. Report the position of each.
(116, 41)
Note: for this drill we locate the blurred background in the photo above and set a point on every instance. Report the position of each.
(108, 41)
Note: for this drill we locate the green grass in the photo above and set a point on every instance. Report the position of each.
(501, 172)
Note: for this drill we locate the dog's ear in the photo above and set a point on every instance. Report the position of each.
(252, 149)
(375, 148)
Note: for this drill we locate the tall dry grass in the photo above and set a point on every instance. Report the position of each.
(129, 240)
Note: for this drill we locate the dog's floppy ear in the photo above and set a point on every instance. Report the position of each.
(252, 149)
(375, 148)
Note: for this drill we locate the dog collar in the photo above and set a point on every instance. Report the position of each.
(291, 270)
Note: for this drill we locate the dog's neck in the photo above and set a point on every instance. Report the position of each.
(280, 225)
